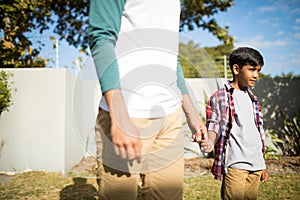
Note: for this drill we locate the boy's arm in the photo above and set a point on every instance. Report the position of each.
(212, 124)
(265, 174)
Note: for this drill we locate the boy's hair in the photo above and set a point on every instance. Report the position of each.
(245, 56)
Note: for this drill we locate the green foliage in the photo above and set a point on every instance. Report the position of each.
(191, 57)
(207, 62)
(288, 75)
(290, 133)
(198, 13)
(5, 91)
(261, 75)
(19, 18)
(72, 21)
(218, 53)
(271, 153)
(200, 62)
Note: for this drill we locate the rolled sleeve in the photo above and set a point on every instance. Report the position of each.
(213, 116)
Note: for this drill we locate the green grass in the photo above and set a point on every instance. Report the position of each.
(42, 185)
(278, 187)
(204, 187)
(281, 187)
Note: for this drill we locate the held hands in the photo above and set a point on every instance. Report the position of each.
(205, 145)
(202, 138)
(199, 131)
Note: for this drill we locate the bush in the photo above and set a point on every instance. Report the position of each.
(5, 91)
(290, 133)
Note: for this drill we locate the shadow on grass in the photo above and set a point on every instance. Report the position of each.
(80, 189)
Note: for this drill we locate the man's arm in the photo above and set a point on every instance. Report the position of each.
(212, 124)
(195, 124)
(125, 135)
(180, 78)
(104, 26)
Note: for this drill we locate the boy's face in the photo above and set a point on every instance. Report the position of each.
(246, 76)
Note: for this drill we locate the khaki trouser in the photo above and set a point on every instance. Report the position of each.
(159, 175)
(240, 184)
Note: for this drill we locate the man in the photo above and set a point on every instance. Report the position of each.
(134, 44)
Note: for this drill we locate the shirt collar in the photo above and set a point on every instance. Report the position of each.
(229, 88)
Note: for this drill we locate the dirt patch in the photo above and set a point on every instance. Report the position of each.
(87, 167)
(201, 166)
(192, 167)
(282, 165)
(5, 177)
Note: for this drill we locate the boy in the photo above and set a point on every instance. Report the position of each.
(235, 126)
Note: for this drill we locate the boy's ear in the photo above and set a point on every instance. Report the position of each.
(236, 69)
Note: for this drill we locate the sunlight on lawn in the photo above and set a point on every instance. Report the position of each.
(43, 185)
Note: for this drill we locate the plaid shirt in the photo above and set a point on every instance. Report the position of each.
(219, 118)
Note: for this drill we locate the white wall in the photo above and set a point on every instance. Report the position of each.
(40, 131)
(51, 123)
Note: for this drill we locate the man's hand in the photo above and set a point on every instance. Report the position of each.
(200, 131)
(205, 145)
(125, 136)
(126, 140)
(208, 141)
(197, 127)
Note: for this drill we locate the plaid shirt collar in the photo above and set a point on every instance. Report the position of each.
(229, 88)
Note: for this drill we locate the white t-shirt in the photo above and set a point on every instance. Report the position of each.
(147, 54)
(244, 146)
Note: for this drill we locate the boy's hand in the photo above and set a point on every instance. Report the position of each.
(264, 176)
(205, 145)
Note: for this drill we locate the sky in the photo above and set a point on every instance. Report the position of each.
(270, 26)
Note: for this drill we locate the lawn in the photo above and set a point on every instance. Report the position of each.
(278, 187)
(43, 185)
